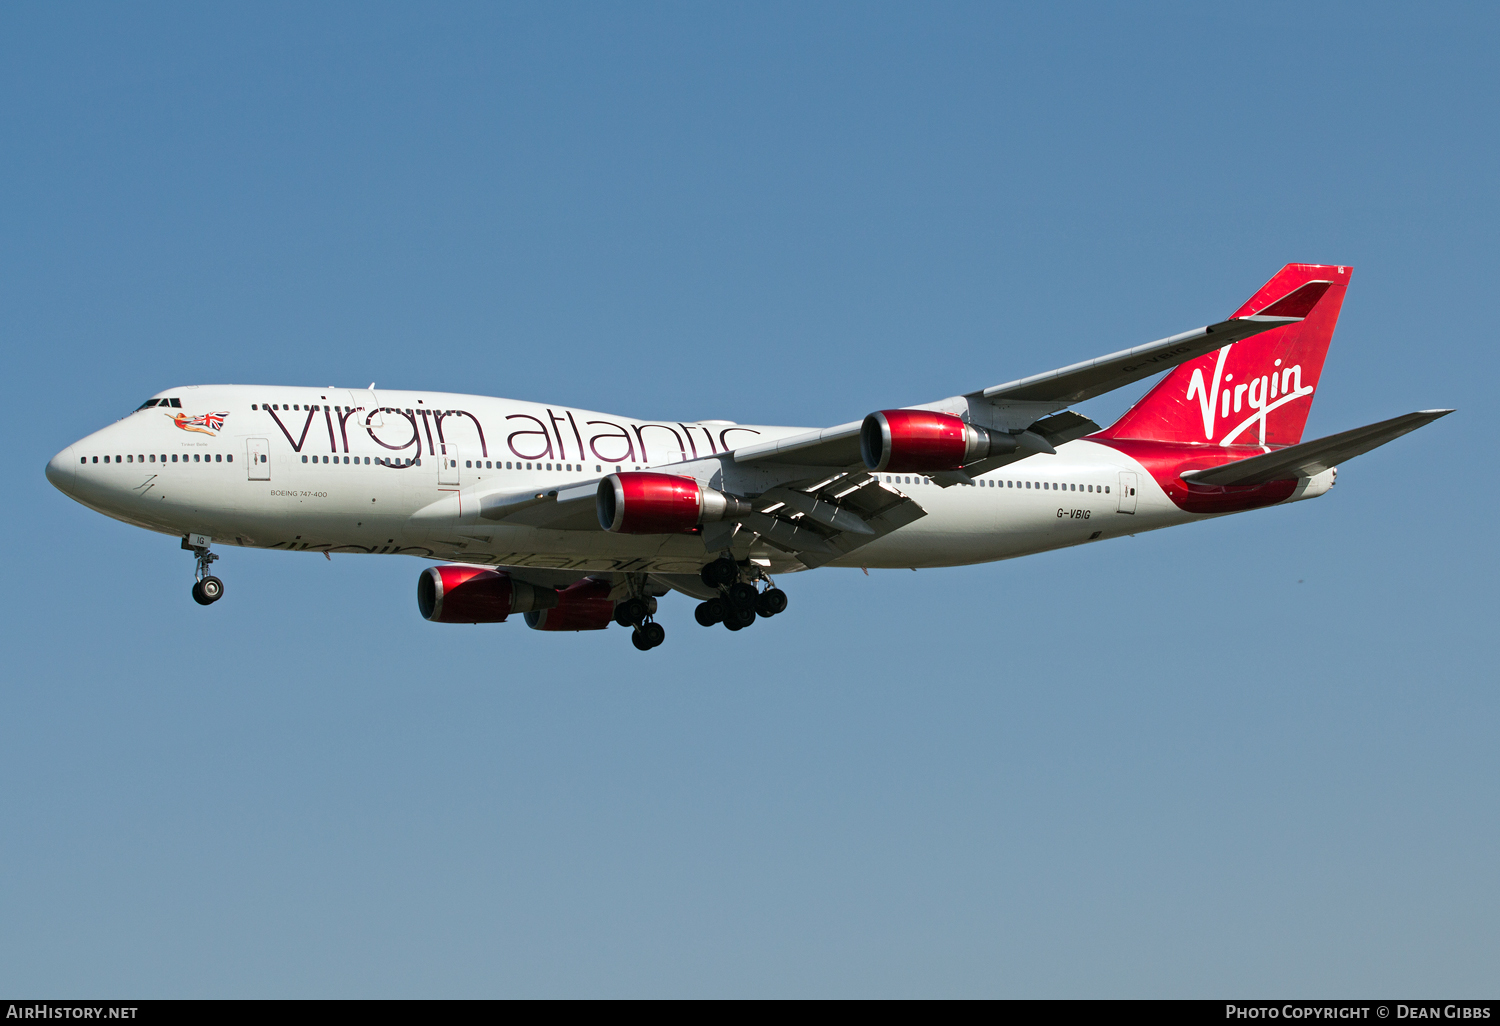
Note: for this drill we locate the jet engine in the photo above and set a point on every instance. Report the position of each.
(582, 606)
(473, 594)
(922, 442)
(640, 502)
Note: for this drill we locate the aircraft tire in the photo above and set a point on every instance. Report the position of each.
(742, 596)
(771, 602)
(719, 573)
(738, 619)
(709, 613)
(630, 612)
(208, 591)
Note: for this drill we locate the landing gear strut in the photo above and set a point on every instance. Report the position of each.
(739, 602)
(207, 589)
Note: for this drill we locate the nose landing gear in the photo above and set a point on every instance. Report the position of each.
(207, 589)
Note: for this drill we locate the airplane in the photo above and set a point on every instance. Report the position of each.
(579, 520)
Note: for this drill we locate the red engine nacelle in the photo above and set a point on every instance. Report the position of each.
(640, 502)
(923, 441)
(473, 594)
(582, 606)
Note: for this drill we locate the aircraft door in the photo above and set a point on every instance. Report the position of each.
(1126, 498)
(365, 399)
(448, 466)
(258, 456)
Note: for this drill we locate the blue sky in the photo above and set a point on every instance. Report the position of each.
(1254, 756)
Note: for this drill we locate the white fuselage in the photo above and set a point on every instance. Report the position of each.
(336, 470)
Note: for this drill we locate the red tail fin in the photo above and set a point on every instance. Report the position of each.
(1258, 391)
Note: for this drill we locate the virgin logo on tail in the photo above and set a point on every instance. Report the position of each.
(1227, 399)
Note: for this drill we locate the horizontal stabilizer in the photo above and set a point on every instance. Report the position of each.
(1310, 458)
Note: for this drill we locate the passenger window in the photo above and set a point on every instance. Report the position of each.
(229, 458)
(96, 459)
(304, 459)
(254, 406)
(153, 457)
(83, 459)
(129, 459)
(218, 457)
(1106, 489)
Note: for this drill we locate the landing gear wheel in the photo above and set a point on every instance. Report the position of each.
(208, 591)
(720, 572)
(648, 635)
(742, 595)
(738, 619)
(709, 613)
(630, 612)
(771, 602)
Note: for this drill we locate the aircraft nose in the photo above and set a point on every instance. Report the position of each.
(60, 471)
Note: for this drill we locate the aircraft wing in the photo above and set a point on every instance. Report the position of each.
(1309, 458)
(1080, 381)
(563, 509)
(1024, 404)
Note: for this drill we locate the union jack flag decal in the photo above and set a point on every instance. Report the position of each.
(204, 423)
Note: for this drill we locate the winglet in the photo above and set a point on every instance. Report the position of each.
(1297, 303)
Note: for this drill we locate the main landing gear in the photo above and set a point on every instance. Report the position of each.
(638, 612)
(207, 589)
(739, 603)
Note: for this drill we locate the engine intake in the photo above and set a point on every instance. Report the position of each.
(922, 441)
(474, 594)
(582, 606)
(640, 502)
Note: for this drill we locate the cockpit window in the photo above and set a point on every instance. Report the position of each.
(148, 404)
(159, 402)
